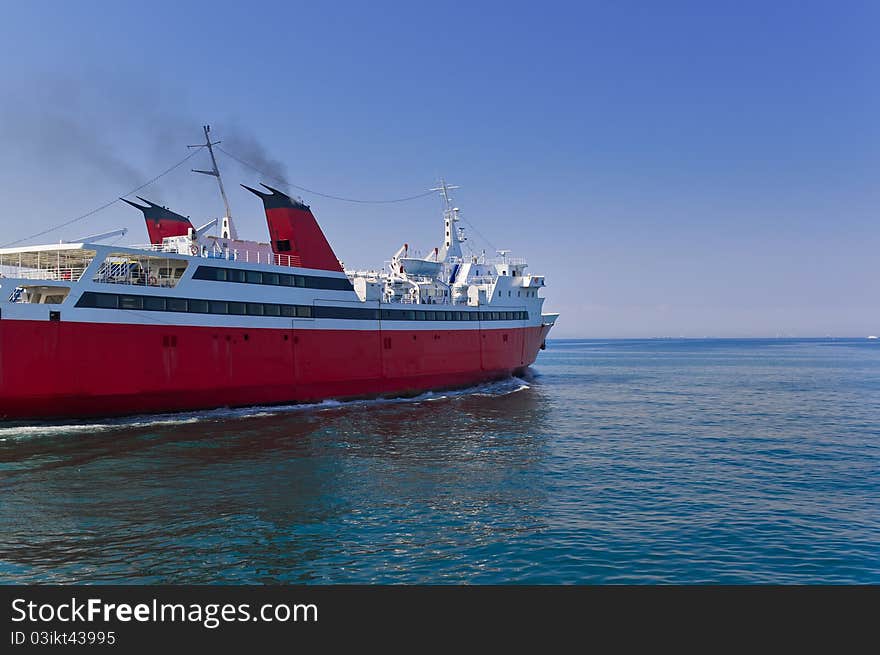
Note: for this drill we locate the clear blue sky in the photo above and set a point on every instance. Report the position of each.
(681, 168)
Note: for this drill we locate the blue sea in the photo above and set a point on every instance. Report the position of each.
(619, 461)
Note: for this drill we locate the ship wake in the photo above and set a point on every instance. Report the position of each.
(19, 431)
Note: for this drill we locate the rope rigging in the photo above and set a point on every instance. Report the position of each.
(172, 168)
(105, 205)
(318, 193)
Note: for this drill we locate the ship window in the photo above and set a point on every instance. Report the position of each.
(198, 306)
(388, 314)
(473, 316)
(131, 302)
(154, 303)
(346, 312)
(499, 294)
(494, 316)
(517, 294)
(236, 308)
(303, 311)
(409, 315)
(208, 273)
(85, 300)
(330, 283)
(420, 316)
(288, 310)
(106, 300)
(271, 310)
(508, 294)
(255, 309)
(429, 316)
(176, 304)
(282, 245)
(218, 307)
(282, 279)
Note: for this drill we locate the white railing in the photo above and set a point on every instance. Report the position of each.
(514, 261)
(232, 254)
(158, 247)
(55, 273)
(262, 257)
(137, 280)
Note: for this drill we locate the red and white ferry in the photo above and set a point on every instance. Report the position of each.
(194, 321)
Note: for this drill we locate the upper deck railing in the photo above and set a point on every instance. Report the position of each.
(54, 273)
(246, 255)
(59, 265)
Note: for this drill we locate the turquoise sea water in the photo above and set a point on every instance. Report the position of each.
(655, 461)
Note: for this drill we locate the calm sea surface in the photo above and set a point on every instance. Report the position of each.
(656, 461)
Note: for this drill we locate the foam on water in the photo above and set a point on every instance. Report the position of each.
(42, 429)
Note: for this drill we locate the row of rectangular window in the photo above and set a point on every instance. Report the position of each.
(191, 305)
(161, 304)
(217, 274)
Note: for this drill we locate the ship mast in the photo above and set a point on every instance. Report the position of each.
(227, 229)
(453, 237)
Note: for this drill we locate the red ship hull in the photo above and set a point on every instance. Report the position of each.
(72, 369)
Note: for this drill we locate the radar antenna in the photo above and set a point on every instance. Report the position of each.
(227, 230)
(444, 190)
